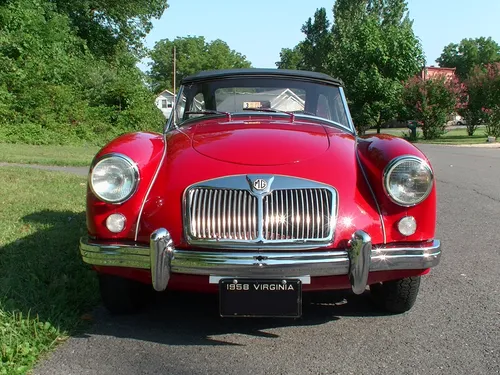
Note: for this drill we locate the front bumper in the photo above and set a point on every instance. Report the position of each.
(162, 259)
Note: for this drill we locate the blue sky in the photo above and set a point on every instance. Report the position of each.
(260, 28)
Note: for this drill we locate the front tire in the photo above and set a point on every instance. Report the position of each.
(123, 296)
(396, 296)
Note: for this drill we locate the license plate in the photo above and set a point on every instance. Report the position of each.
(260, 298)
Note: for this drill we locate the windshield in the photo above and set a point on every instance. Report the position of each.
(265, 96)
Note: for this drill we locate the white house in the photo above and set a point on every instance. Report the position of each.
(164, 101)
(284, 100)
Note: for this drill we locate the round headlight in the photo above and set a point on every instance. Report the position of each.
(114, 178)
(408, 180)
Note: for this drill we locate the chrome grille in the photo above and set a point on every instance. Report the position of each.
(289, 212)
(303, 214)
(223, 214)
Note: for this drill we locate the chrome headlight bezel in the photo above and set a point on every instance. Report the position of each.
(135, 174)
(395, 163)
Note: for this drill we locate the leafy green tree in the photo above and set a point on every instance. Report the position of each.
(54, 89)
(483, 98)
(431, 101)
(468, 54)
(371, 47)
(105, 24)
(313, 53)
(291, 58)
(375, 50)
(318, 39)
(193, 54)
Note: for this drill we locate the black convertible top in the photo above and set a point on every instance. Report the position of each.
(304, 74)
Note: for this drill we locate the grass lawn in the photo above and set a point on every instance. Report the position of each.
(48, 155)
(45, 287)
(452, 137)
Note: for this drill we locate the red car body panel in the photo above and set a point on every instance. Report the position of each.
(211, 148)
(356, 207)
(146, 150)
(199, 283)
(375, 153)
(260, 143)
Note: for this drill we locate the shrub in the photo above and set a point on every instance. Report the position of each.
(493, 123)
(54, 90)
(431, 101)
(483, 96)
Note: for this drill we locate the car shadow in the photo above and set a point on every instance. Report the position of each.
(41, 272)
(176, 318)
(42, 275)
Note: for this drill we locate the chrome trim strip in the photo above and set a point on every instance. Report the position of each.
(162, 253)
(117, 255)
(170, 123)
(363, 172)
(150, 187)
(359, 261)
(216, 279)
(258, 264)
(347, 110)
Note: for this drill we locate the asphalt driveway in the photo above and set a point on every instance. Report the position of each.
(454, 327)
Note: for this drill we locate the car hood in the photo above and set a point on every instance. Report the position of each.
(330, 159)
(260, 143)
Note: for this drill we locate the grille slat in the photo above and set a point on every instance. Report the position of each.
(297, 214)
(317, 217)
(287, 215)
(254, 218)
(202, 209)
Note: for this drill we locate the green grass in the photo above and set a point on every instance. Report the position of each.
(48, 155)
(451, 137)
(45, 287)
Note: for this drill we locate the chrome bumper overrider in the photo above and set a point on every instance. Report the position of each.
(357, 260)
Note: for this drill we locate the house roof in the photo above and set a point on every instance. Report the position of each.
(165, 92)
(252, 72)
(438, 68)
(237, 101)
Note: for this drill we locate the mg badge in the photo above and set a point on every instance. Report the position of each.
(260, 184)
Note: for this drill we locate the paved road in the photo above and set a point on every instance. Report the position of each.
(453, 329)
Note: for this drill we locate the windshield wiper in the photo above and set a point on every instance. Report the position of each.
(291, 114)
(209, 112)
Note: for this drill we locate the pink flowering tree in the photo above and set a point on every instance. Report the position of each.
(431, 101)
(483, 99)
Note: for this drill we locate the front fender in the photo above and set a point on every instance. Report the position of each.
(146, 150)
(375, 152)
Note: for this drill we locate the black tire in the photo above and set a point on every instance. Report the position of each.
(396, 296)
(123, 296)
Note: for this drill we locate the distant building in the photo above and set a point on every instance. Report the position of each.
(164, 101)
(283, 100)
(433, 71)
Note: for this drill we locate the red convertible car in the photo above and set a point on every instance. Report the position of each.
(260, 190)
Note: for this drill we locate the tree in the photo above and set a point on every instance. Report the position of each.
(374, 51)
(54, 89)
(193, 54)
(468, 54)
(431, 101)
(291, 58)
(313, 53)
(371, 47)
(317, 46)
(105, 24)
(483, 98)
